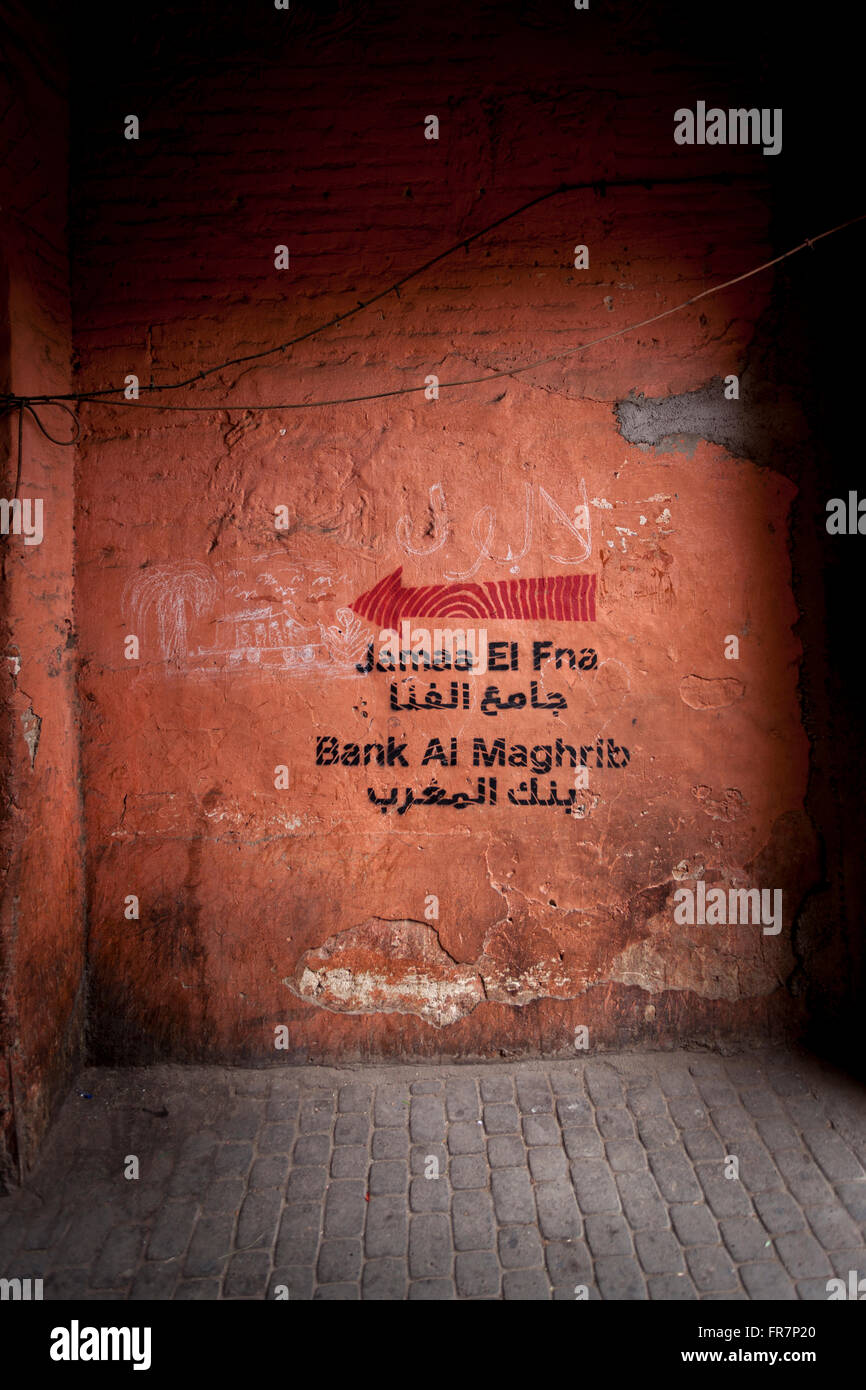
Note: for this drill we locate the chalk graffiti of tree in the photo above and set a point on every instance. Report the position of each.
(346, 644)
(173, 592)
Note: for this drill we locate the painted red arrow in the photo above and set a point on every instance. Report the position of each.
(566, 598)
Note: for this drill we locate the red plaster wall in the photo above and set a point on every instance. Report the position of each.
(41, 907)
(305, 906)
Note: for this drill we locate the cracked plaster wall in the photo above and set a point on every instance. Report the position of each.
(304, 906)
(41, 850)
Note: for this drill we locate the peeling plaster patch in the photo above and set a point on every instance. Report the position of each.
(677, 424)
(656, 966)
(388, 967)
(699, 692)
(32, 729)
(729, 806)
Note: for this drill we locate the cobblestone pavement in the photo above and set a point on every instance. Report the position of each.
(608, 1174)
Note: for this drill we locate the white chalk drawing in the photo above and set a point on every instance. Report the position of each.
(174, 593)
(578, 525)
(441, 525)
(260, 616)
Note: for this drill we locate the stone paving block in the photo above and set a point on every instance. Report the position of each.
(430, 1194)
(345, 1209)
(548, 1164)
(853, 1195)
(468, 1170)
(276, 1139)
(726, 1196)
(172, 1230)
(210, 1247)
(461, 1100)
(733, 1123)
(338, 1293)
(746, 1238)
(583, 1142)
(676, 1080)
(758, 1173)
(466, 1137)
(659, 1252)
(777, 1133)
(614, 1123)
(534, 1095)
(385, 1280)
(703, 1144)
(805, 1180)
(608, 1233)
(388, 1175)
(390, 1143)
(643, 1207)
(500, 1119)
(339, 1261)
(520, 1247)
(271, 1170)
(431, 1251)
(540, 1129)
(306, 1184)
(619, 1278)
(626, 1155)
(525, 1286)
(594, 1187)
(694, 1224)
(657, 1132)
(432, 1290)
(558, 1215)
(391, 1107)
(834, 1228)
(675, 1176)
(352, 1129)
(247, 1274)
(232, 1161)
(298, 1238)
(297, 1280)
(354, 1097)
(572, 1111)
(118, 1259)
(711, 1268)
(421, 1156)
(197, 1290)
(761, 1101)
(779, 1213)
(476, 1272)
(387, 1227)
(496, 1088)
(604, 1086)
(670, 1288)
(349, 1161)
(688, 1113)
(568, 1262)
(311, 1150)
(766, 1281)
(316, 1113)
(244, 1121)
(645, 1098)
(512, 1196)
(153, 1281)
(427, 1120)
(506, 1151)
(803, 1257)
(834, 1156)
(472, 1220)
